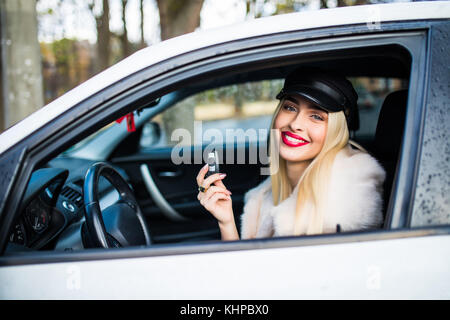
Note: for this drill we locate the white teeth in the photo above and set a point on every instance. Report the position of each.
(294, 140)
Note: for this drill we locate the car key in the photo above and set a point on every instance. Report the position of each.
(213, 163)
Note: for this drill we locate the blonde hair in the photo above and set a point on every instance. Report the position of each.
(313, 183)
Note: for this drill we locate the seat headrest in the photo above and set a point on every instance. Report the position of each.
(353, 120)
(391, 122)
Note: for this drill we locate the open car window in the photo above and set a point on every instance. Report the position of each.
(233, 107)
(251, 106)
(165, 191)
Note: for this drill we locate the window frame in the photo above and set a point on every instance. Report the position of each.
(90, 115)
(433, 159)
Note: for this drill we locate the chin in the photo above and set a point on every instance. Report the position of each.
(293, 155)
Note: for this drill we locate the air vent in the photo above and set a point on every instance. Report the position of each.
(73, 196)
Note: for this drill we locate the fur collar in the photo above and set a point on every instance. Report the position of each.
(354, 200)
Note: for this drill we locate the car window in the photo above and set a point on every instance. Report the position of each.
(238, 106)
(371, 94)
(86, 140)
(251, 106)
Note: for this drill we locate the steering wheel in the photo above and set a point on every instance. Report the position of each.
(124, 219)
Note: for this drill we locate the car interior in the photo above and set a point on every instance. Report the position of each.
(162, 195)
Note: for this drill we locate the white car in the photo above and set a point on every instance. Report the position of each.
(66, 232)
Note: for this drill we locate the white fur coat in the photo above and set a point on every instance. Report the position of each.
(354, 200)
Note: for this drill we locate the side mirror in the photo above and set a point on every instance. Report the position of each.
(151, 134)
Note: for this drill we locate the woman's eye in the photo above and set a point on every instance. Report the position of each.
(289, 108)
(317, 117)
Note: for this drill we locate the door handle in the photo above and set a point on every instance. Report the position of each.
(169, 174)
(157, 197)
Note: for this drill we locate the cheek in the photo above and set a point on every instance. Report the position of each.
(318, 134)
(281, 121)
(277, 122)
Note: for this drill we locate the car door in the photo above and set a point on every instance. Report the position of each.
(404, 261)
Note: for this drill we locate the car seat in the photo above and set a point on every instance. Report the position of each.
(389, 136)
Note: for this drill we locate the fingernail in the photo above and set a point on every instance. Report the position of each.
(223, 175)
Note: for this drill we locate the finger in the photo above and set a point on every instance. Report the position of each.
(201, 175)
(205, 197)
(209, 204)
(213, 189)
(213, 178)
(219, 183)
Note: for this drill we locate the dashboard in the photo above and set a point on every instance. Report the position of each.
(40, 219)
(53, 205)
(34, 222)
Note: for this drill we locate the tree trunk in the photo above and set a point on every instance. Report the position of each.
(21, 70)
(248, 7)
(103, 36)
(344, 3)
(141, 11)
(178, 17)
(124, 36)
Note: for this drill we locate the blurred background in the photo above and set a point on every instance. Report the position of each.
(50, 46)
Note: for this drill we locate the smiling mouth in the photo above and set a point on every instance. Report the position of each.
(292, 140)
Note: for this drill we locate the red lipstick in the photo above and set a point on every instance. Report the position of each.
(290, 142)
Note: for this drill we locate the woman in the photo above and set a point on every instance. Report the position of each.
(323, 184)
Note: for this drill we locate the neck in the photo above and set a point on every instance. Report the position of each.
(295, 170)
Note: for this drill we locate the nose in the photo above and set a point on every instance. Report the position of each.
(298, 123)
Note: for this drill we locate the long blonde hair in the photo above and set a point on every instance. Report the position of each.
(313, 183)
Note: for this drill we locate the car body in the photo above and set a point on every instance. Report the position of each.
(407, 258)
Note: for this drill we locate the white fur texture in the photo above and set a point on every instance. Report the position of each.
(354, 200)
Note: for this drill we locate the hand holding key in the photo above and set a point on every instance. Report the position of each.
(214, 196)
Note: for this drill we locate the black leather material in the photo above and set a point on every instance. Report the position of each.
(328, 90)
(391, 122)
(389, 135)
(125, 220)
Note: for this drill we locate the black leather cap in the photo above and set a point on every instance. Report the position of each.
(328, 90)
